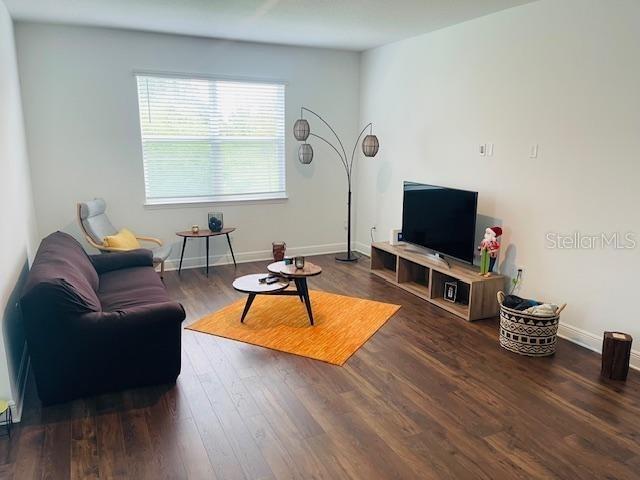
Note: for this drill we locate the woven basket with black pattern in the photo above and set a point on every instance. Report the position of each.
(526, 334)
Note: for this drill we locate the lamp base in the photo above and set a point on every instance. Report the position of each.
(347, 257)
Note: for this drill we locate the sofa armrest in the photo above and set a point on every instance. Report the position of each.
(132, 319)
(97, 352)
(167, 312)
(142, 316)
(118, 260)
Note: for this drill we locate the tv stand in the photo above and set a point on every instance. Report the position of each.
(425, 277)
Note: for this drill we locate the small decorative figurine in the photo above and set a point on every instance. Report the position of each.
(278, 249)
(299, 262)
(195, 229)
(489, 247)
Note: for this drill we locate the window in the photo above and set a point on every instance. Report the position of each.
(211, 140)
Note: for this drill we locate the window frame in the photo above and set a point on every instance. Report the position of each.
(269, 197)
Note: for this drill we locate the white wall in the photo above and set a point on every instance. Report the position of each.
(84, 137)
(564, 75)
(17, 228)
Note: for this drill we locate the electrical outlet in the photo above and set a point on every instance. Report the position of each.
(533, 151)
(516, 281)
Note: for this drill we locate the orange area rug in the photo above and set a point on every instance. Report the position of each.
(342, 324)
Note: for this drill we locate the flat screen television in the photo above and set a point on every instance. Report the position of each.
(440, 219)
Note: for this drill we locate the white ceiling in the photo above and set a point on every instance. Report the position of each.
(346, 24)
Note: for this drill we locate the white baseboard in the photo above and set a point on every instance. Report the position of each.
(21, 382)
(591, 341)
(362, 248)
(259, 255)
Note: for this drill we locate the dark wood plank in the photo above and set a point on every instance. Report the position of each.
(164, 430)
(84, 441)
(110, 440)
(193, 453)
(138, 449)
(29, 463)
(222, 459)
(57, 442)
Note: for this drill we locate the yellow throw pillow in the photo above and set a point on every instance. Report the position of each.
(124, 239)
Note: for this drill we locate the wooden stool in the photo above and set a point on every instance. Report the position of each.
(616, 352)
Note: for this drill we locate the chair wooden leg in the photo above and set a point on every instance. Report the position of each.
(162, 269)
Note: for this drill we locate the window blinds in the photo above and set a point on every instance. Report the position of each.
(211, 140)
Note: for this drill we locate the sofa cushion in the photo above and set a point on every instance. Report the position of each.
(131, 287)
(64, 271)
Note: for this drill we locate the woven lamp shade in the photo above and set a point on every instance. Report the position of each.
(301, 130)
(305, 154)
(370, 146)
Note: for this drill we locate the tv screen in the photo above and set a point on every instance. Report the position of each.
(441, 219)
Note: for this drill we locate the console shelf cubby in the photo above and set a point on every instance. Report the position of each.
(418, 274)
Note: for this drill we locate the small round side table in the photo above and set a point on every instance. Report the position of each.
(206, 234)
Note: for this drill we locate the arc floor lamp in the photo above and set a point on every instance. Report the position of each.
(370, 146)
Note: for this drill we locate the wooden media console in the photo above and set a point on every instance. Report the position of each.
(418, 274)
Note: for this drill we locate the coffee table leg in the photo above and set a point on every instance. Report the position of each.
(307, 300)
(247, 306)
(231, 249)
(298, 288)
(184, 244)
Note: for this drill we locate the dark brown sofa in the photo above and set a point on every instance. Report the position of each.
(98, 324)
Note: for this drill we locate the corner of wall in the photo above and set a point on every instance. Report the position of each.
(18, 217)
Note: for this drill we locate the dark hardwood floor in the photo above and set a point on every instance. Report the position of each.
(429, 396)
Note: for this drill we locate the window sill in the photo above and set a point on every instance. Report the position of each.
(199, 202)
